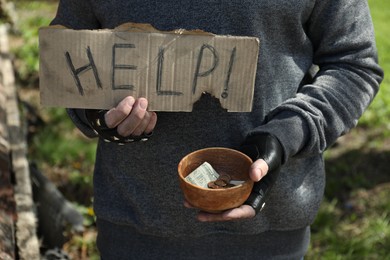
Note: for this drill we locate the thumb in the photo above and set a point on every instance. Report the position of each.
(258, 170)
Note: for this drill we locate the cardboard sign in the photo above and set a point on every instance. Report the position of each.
(98, 68)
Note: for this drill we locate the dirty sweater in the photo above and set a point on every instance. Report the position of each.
(137, 184)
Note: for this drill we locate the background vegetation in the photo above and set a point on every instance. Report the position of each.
(353, 222)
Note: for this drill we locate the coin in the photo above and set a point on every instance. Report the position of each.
(212, 185)
(220, 182)
(225, 177)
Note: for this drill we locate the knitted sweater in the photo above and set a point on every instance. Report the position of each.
(137, 184)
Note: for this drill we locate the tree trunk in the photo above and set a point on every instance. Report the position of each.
(18, 238)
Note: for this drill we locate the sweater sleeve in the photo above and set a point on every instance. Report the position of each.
(348, 78)
(77, 14)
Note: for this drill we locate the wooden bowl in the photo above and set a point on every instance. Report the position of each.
(223, 160)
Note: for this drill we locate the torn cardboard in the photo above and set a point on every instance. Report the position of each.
(98, 68)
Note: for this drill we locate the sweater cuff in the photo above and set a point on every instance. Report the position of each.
(79, 118)
(290, 129)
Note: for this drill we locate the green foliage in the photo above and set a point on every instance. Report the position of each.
(378, 114)
(56, 143)
(27, 54)
(88, 213)
(359, 229)
(58, 148)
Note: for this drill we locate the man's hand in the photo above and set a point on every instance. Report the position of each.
(242, 212)
(131, 117)
(129, 121)
(267, 156)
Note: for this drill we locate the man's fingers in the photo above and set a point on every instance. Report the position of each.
(242, 212)
(135, 119)
(147, 124)
(152, 123)
(119, 113)
(131, 117)
(140, 129)
(188, 205)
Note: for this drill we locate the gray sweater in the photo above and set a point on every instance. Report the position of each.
(137, 184)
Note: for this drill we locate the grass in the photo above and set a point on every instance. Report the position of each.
(353, 221)
(359, 230)
(380, 109)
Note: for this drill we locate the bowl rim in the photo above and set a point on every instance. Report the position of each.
(214, 148)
